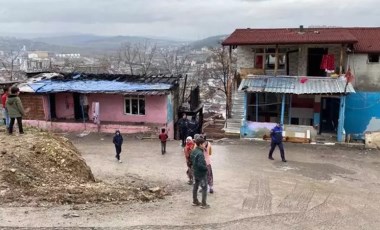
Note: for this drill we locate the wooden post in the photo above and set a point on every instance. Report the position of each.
(276, 62)
(229, 83)
(341, 60)
(184, 91)
(264, 59)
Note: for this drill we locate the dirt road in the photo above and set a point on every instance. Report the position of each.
(319, 188)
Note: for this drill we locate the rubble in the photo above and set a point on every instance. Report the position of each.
(40, 167)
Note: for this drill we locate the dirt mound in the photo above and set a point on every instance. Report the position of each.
(40, 166)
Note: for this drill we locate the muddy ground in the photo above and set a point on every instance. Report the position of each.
(321, 187)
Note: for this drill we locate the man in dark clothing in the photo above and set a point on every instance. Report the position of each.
(193, 127)
(200, 173)
(163, 137)
(276, 140)
(118, 142)
(183, 128)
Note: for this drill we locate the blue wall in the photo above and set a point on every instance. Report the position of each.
(362, 113)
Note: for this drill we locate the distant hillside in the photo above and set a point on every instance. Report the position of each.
(213, 41)
(11, 43)
(104, 43)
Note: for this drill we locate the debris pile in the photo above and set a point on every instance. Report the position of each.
(42, 167)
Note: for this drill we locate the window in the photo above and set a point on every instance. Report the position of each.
(271, 60)
(134, 105)
(373, 58)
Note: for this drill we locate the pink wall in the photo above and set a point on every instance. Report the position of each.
(109, 128)
(112, 108)
(64, 105)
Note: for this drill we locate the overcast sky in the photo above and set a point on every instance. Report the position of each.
(185, 19)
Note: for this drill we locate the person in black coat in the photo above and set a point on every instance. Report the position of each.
(183, 124)
(118, 142)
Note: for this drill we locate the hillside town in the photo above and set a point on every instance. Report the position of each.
(265, 127)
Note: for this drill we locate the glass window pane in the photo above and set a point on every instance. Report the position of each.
(142, 106)
(135, 106)
(127, 106)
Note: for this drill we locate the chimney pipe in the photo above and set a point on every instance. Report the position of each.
(301, 28)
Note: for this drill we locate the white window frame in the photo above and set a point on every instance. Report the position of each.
(130, 97)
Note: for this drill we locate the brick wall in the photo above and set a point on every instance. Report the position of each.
(33, 106)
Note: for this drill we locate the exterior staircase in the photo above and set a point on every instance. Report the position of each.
(233, 124)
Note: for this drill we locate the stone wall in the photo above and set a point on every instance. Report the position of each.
(245, 57)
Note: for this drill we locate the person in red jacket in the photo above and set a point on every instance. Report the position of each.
(163, 137)
(4, 98)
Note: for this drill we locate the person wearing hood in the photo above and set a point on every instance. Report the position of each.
(190, 145)
(118, 142)
(4, 98)
(15, 110)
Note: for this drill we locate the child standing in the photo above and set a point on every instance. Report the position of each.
(200, 173)
(163, 137)
(190, 145)
(118, 142)
(210, 176)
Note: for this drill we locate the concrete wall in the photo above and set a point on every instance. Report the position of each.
(367, 75)
(362, 114)
(259, 129)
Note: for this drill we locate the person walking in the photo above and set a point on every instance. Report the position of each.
(200, 173)
(15, 110)
(163, 137)
(210, 177)
(190, 145)
(118, 142)
(4, 98)
(276, 140)
(183, 128)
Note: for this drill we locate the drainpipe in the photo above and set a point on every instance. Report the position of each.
(290, 109)
(257, 107)
(342, 108)
(282, 109)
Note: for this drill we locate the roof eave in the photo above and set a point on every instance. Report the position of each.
(286, 43)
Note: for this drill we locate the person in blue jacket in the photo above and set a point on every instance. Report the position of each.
(276, 140)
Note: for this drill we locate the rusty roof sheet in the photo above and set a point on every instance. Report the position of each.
(294, 85)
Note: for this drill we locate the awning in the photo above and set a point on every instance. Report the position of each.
(296, 85)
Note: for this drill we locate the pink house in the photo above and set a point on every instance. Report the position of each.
(101, 103)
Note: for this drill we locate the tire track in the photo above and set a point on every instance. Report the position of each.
(259, 197)
(298, 200)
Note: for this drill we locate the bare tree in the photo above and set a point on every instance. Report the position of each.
(138, 58)
(146, 53)
(175, 63)
(8, 62)
(220, 69)
(128, 55)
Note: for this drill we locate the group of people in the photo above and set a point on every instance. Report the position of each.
(199, 171)
(198, 151)
(12, 109)
(187, 128)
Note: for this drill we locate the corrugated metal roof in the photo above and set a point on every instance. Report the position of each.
(293, 85)
(95, 86)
